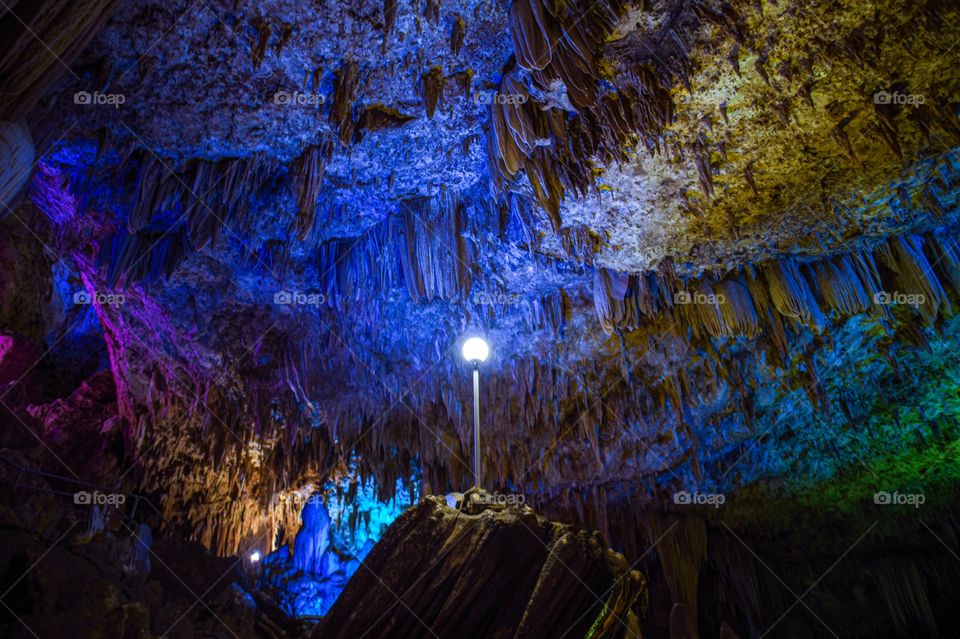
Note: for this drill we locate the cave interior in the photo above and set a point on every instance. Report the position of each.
(711, 246)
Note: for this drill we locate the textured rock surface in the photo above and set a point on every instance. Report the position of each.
(712, 243)
(510, 573)
(60, 578)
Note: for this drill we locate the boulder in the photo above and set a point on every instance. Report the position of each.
(498, 573)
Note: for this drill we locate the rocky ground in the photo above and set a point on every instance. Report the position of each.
(66, 571)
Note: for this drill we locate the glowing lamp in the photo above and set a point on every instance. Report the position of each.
(255, 556)
(475, 350)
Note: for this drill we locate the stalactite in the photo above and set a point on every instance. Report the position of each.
(609, 290)
(259, 49)
(16, 161)
(682, 553)
(735, 310)
(345, 85)
(791, 294)
(458, 34)
(422, 249)
(431, 11)
(840, 287)
(146, 255)
(916, 274)
(749, 177)
(309, 169)
(546, 184)
(433, 84)
(40, 44)
(839, 135)
(534, 32)
(153, 191)
(525, 135)
(389, 18)
(901, 584)
(175, 212)
(701, 157)
(846, 285)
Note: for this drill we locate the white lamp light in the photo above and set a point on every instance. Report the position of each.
(255, 556)
(475, 350)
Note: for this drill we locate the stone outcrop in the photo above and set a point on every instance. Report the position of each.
(67, 570)
(507, 573)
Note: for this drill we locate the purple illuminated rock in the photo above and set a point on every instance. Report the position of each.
(16, 358)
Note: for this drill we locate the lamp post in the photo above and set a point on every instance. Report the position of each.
(475, 350)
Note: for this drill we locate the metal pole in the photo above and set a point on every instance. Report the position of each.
(476, 423)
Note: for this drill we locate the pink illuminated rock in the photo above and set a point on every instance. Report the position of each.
(16, 358)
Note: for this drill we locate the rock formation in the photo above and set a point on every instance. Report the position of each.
(712, 243)
(441, 572)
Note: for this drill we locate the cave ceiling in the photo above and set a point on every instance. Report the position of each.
(552, 175)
